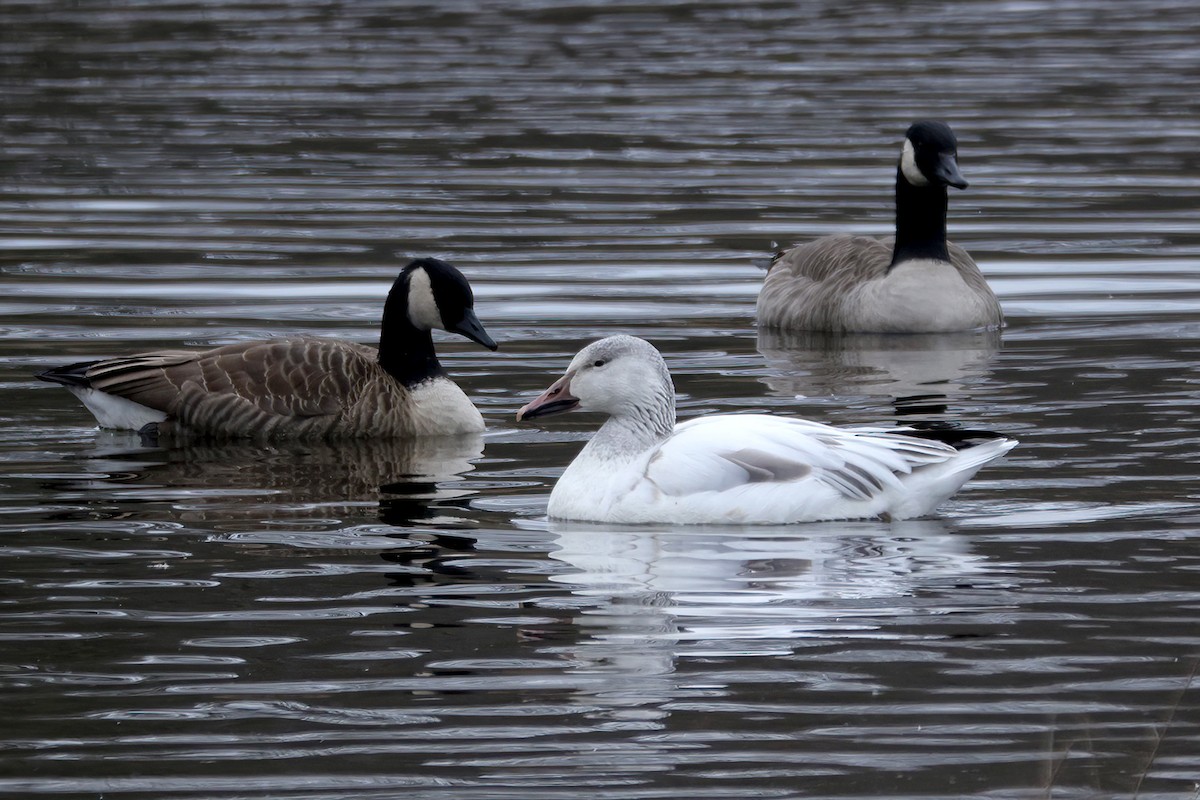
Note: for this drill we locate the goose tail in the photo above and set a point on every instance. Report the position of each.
(68, 374)
(111, 411)
(765, 263)
(932, 485)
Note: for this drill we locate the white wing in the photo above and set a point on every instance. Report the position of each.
(727, 451)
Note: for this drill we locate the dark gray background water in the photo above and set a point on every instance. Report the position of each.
(377, 621)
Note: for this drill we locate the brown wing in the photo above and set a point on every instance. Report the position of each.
(241, 387)
(836, 257)
(804, 288)
(146, 378)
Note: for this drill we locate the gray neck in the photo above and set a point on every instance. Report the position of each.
(626, 436)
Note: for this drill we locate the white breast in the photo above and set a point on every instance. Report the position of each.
(438, 407)
(916, 295)
(596, 489)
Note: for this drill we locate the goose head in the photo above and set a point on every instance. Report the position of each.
(930, 156)
(621, 376)
(430, 293)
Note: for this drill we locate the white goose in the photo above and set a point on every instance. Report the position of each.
(302, 387)
(916, 282)
(738, 468)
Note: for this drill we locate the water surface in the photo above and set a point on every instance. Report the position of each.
(370, 620)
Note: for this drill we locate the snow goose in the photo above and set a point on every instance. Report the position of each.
(738, 468)
(914, 282)
(301, 387)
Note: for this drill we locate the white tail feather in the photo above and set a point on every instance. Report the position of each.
(930, 486)
(116, 412)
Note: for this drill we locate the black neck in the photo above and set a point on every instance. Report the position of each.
(920, 221)
(405, 351)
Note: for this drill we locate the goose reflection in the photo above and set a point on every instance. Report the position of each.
(405, 480)
(650, 596)
(922, 374)
(754, 591)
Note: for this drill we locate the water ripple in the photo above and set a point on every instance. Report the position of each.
(186, 174)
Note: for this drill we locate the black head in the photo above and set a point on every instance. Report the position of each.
(930, 156)
(438, 296)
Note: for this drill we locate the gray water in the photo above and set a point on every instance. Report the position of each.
(378, 621)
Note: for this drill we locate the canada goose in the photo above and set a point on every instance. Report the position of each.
(301, 387)
(914, 282)
(738, 468)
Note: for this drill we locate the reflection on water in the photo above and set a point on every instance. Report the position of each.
(384, 619)
(229, 480)
(921, 374)
(655, 596)
(791, 577)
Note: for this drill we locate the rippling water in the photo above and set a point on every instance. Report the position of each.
(373, 620)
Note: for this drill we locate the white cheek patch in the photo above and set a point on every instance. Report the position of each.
(423, 311)
(908, 165)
